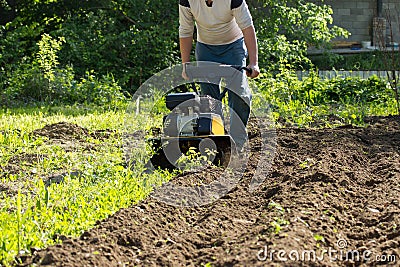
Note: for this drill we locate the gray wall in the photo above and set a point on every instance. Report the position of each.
(356, 16)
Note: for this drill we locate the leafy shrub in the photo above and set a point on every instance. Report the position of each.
(285, 28)
(91, 89)
(357, 90)
(299, 101)
(130, 39)
(28, 84)
(42, 80)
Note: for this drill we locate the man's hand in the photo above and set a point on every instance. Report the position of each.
(251, 43)
(184, 74)
(185, 45)
(255, 70)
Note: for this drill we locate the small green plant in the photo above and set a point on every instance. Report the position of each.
(279, 221)
(46, 57)
(195, 159)
(307, 163)
(319, 238)
(278, 224)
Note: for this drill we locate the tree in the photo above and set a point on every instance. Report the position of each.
(286, 27)
(133, 39)
(7, 11)
(391, 55)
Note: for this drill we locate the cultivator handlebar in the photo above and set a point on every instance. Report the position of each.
(204, 72)
(212, 71)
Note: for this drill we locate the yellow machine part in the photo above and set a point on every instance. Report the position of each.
(217, 125)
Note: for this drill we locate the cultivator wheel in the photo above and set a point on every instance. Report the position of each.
(168, 150)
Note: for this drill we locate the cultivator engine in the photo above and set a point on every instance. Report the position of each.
(196, 123)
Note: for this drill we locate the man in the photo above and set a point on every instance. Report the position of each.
(226, 35)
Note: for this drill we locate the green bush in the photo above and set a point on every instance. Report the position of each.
(130, 39)
(42, 80)
(374, 60)
(91, 89)
(286, 27)
(357, 90)
(300, 101)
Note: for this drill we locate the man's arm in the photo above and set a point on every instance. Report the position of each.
(185, 45)
(250, 40)
(186, 28)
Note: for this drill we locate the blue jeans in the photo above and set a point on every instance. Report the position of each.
(239, 95)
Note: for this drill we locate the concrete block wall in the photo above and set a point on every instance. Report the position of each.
(357, 16)
(391, 9)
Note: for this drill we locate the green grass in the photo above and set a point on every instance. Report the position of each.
(35, 215)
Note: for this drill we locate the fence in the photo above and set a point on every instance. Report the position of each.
(329, 74)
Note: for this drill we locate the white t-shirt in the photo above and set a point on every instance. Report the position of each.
(220, 23)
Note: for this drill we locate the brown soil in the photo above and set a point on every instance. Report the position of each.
(328, 189)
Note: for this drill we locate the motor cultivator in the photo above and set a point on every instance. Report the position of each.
(195, 122)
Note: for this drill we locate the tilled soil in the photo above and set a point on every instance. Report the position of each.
(331, 198)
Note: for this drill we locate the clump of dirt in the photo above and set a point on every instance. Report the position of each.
(8, 190)
(70, 131)
(17, 162)
(331, 198)
(71, 136)
(62, 131)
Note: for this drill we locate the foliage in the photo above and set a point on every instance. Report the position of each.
(324, 102)
(41, 79)
(285, 28)
(46, 57)
(195, 159)
(131, 40)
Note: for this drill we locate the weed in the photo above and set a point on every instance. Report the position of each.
(279, 222)
(319, 238)
(195, 159)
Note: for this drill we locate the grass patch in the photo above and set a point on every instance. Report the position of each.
(95, 183)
